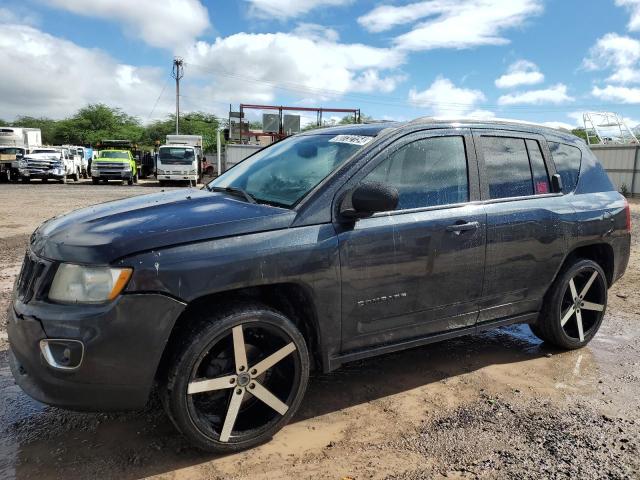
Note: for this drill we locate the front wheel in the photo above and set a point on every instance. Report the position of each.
(236, 378)
(574, 307)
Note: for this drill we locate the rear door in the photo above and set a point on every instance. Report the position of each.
(526, 222)
(418, 269)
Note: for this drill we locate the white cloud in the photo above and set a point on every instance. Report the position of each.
(521, 72)
(554, 94)
(285, 9)
(613, 51)
(44, 75)
(452, 24)
(19, 15)
(634, 9)
(170, 24)
(444, 99)
(252, 67)
(625, 76)
(617, 94)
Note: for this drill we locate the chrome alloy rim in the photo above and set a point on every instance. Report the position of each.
(583, 303)
(244, 382)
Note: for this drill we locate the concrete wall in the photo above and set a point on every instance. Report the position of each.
(622, 163)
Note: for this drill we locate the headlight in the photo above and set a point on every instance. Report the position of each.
(78, 284)
(192, 172)
(127, 166)
(160, 172)
(22, 164)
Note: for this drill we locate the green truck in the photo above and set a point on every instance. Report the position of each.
(115, 162)
(114, 165)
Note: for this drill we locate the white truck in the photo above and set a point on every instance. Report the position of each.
(15, 142)
(180, 159)
(78, 157)
(49, 163)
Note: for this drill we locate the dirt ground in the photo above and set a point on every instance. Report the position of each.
(497, 405)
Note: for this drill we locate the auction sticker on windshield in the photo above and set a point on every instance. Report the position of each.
(351, 139)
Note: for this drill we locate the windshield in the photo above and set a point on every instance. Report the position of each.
(285, 172)
(109, 154)
(176, 155)
(10, 150)
(44, 150)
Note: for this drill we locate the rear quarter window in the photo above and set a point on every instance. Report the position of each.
(567, 160)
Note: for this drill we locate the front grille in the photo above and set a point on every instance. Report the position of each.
(31, 277)
(109, 165)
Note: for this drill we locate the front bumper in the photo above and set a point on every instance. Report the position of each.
(178, 177)
(123, 344)
(54, 173)
(112, 175)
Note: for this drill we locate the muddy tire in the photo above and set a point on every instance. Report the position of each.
(235, 378)
(574, 306)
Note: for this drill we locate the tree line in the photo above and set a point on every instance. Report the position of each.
(96, 122)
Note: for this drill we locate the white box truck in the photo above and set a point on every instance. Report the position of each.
(180, 159)
(15, 142)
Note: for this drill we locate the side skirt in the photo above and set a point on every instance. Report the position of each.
(336, 361)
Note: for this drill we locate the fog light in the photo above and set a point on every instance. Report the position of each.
(62, 354)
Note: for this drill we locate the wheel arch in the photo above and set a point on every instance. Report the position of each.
(601, 253)
(293, 300)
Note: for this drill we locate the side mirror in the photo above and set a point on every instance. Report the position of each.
(367, 199)
(556, 183)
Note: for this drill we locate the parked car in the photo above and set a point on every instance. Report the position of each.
(330, 246)
(114, 165)
(49, 163)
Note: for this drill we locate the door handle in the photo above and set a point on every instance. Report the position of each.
(458, 228)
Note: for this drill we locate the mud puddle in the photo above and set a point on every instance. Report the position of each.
(367, 410)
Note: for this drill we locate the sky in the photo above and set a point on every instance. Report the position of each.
(544, 61)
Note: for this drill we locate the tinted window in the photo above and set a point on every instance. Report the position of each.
(507, 167)
(567, 160)
(426, 173)
(538, 168)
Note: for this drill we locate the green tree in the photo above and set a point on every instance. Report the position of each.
(580, 132)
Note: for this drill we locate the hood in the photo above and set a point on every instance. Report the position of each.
(42, 156)
(109, 231)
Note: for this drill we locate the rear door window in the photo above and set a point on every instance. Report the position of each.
(507, 167)
(567, 160)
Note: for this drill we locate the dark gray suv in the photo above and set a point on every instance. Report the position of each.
(327, 247)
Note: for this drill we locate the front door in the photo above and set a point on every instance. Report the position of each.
(419, 269)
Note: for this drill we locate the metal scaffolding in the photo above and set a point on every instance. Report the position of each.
(604, 128)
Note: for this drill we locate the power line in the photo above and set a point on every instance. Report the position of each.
(166, 81)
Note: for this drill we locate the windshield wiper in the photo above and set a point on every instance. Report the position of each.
(235, 191)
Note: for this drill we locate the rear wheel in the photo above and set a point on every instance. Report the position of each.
(236, 378)
(575, 306)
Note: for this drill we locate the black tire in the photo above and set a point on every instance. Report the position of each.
(105, 180)
(25, 179)
(95, 180)
(560, 304)
(44, 180)
(206, 351)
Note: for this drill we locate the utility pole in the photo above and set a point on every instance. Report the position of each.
(177, 73)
